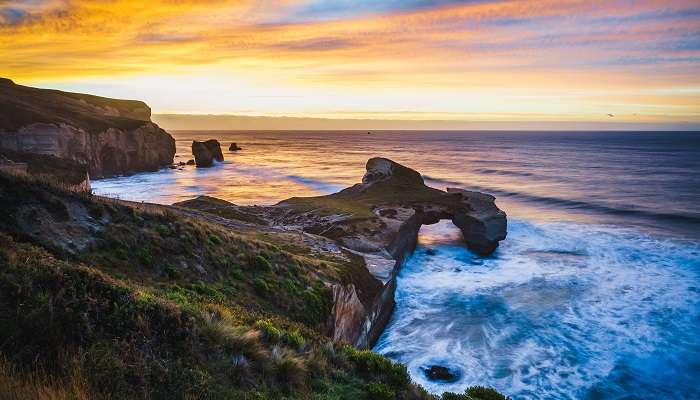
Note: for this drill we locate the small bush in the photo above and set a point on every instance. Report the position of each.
(294, 339)
(164, 230)
(271, 333)
(373, 365)
(379, 391)
(484, 393)
(144, 254)
(261, 263)
(455, 396)
(289, 370)
(172, 272)
(215, 239)
(261, 286)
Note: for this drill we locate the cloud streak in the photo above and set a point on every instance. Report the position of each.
(349, 48)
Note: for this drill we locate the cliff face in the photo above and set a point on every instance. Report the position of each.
(111, 136)
(377, 221)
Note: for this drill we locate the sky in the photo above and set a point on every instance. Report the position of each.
(578, 63)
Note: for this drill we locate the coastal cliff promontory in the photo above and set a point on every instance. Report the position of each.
(111, 136)
(377, 221)
(206, 299)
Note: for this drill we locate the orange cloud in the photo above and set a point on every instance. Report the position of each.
(541, 50)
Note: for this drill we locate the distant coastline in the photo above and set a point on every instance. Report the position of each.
(247, 122)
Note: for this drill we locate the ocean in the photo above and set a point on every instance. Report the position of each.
(595, 293)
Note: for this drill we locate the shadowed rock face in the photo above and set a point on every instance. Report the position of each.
(111, 136)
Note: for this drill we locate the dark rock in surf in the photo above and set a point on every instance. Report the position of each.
(234, 147)
(215, 148)
(439, 373)
(202, 156)
(190, 162)
(206, 152)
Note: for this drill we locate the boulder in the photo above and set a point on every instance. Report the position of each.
(234, 147)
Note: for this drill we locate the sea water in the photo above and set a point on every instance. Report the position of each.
(595, 293)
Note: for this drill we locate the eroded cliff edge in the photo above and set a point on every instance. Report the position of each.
(111, 136)
(378, 222)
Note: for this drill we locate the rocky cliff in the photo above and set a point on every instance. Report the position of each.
(377, 221)
(111, 136)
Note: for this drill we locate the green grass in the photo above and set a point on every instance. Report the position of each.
(154, 308)
(330, 205)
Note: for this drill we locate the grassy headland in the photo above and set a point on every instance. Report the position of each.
(101, 300)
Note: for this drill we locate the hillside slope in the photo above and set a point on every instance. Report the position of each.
(101, 299)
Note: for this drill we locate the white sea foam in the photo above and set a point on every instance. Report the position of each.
(561, 311)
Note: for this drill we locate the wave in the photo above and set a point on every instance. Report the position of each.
(560, 311)
(505, 172)
(629, 211)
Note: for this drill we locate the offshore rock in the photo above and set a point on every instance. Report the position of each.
(206, 152)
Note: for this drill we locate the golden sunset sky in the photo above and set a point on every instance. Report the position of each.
(628, 62)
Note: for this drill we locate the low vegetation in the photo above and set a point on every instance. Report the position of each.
(147, 304)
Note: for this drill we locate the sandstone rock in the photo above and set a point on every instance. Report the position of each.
(202, 156)
(206, 152)
(380, 219)
(112, 137)
(215, 148)
(234, 147)
(377, 223)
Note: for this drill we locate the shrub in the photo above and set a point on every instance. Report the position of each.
(164, 230)
(261, 263)
(271, 333)
(484, 393)
(455, 396)
(207, 290)
(379, 391)
(475, 393)
(289, 370)
(144, 254)
(172, 272)
(294, 339)
(215, 239)
(373, 364)
(261, 286)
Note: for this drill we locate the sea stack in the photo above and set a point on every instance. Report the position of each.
(234, 147)
(206, 152)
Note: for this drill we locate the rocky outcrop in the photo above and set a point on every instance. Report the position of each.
(377, 221)
(61, 172)
(111, 136)
(234, 147)
(206, 152)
